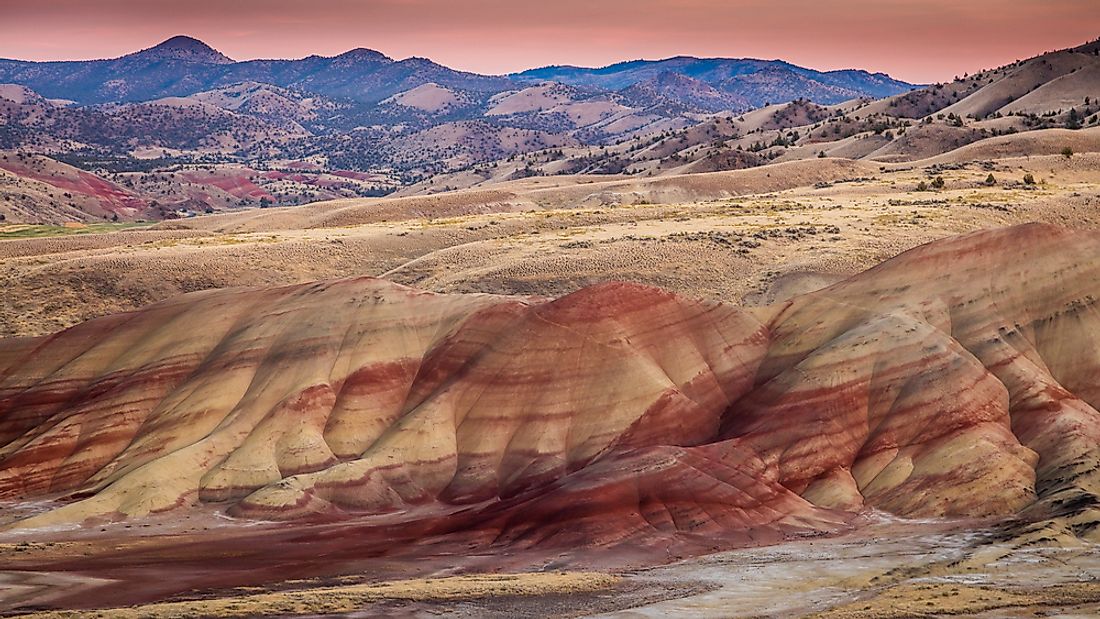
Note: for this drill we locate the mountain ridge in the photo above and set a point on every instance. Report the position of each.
(183, 62)
(718, 72)
(399, 398)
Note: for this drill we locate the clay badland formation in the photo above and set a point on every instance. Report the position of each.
(956, 380)
(614, 412)
(907, 388)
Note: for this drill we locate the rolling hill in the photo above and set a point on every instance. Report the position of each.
(1057, 90)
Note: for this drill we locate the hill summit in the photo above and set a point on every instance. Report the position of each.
(184, 48)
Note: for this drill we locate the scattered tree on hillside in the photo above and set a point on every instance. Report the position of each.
(990, 180)
(1029, 179)
(1073, 121)
(937, 183)
(1067, 152)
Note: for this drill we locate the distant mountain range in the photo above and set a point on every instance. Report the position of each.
(184, 102)
(183, 65)
(748, 82)
(179, 128)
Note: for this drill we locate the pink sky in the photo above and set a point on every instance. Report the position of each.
(931, 40)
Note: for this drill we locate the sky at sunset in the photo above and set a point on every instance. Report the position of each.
(926, 41)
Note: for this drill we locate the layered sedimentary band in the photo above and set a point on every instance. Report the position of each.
(958, 379)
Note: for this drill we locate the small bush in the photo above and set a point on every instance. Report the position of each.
(1067, 152)
(937, 183)
(1029, 179)
(922, 186)
(990, 180)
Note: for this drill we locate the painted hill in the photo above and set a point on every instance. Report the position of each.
(958, 379)
(39, 189)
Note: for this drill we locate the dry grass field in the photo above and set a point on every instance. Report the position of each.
(750, 236)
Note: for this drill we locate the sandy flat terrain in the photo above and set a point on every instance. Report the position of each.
(891, 568)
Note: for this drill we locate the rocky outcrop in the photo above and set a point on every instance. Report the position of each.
(958, 379)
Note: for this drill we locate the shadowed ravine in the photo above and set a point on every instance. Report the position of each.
(620, 423)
